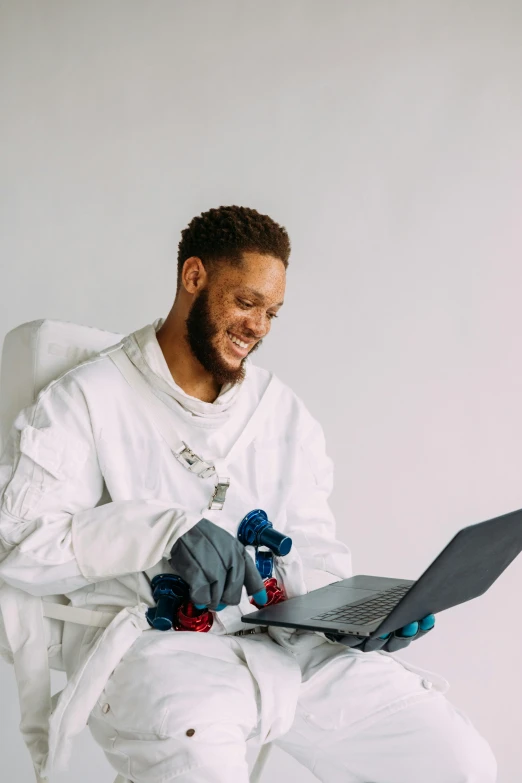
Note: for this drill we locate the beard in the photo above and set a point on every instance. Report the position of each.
(201, 331)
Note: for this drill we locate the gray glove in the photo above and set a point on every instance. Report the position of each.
(215, 566)
(391, 642)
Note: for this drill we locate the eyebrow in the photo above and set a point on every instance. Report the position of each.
(258, 295)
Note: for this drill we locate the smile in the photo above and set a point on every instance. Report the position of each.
(237, 341)
(240, 346)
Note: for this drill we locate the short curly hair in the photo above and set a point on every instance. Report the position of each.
(223, 234)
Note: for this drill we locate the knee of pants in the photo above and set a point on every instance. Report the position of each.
(166, 715)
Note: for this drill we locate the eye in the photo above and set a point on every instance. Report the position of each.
(245, 304)
(272, 315)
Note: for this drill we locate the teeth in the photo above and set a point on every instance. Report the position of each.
(237, 341)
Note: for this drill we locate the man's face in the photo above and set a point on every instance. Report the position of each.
(233, 313)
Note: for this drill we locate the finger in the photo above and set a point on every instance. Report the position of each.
(395, 643)
(374, 644)
(422, 631)
(200, 592)
(216, 592)
(207, 593)
(402, 639)
(252, 578)
(233, 586)
(427, 623)
(260, 598)
(232, 594)
(235, 577)
(200, 597)
(408, 631)
(206, 589)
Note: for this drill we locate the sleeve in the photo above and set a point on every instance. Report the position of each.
(56, 532)
(311, 524)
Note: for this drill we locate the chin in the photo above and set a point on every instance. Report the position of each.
(233, 364)
(232, 371)
(231, 361)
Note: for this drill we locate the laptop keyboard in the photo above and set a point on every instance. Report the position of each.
(367, 611)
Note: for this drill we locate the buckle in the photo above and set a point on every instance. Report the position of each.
(257, 629)
(217, 501)
(190, 460)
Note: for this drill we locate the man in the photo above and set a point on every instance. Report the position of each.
(180, 706)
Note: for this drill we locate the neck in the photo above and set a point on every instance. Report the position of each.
(187, 372)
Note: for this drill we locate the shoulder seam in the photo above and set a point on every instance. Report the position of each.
(64, 375)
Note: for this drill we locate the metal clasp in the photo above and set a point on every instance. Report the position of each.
(217, 501)
(190, 460)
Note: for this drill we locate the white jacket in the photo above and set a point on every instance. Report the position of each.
(92, 500)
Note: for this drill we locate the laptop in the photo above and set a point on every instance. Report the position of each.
(370, 606)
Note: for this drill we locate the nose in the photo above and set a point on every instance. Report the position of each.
(258, 324)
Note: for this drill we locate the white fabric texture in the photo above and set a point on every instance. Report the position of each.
(88, 438)
(360, 717)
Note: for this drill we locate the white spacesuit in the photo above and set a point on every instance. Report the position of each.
(180, 706)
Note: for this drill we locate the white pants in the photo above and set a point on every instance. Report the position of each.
(168, 715)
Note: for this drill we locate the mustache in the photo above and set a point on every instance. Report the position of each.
(242, 332)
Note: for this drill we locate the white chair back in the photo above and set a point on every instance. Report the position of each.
(38, 352)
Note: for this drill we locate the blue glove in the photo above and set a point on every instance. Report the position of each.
(391, 642)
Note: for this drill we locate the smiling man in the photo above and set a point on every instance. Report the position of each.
(95, 505)
(222, 313)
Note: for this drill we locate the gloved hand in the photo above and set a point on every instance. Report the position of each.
(390, 642)
(216, 566)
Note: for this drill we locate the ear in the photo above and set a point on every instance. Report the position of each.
(194, 276)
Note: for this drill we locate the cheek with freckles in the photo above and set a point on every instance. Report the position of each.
(227, 319)
(224, 324)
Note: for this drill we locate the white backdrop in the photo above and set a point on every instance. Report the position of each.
(386, 137)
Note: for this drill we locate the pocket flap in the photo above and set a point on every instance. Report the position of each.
(50, 451)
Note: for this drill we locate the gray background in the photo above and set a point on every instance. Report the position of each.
(386, 137)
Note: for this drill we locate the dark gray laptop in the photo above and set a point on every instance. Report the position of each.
(374, 605)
